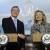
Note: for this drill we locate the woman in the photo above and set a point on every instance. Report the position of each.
(40, 26)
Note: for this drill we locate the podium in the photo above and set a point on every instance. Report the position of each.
(12, 37)
(37, 37)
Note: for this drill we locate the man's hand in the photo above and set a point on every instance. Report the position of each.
(21, 36)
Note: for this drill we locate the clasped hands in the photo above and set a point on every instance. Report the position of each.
(21, 36)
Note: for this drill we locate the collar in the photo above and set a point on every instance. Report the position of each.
(13, 18)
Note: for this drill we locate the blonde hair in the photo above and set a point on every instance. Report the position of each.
(43, 16)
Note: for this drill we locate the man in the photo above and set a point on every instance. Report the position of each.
(13, 25)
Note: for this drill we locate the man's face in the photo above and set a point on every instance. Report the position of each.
(15, 12)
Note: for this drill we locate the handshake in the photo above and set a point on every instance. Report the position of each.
(21, 36)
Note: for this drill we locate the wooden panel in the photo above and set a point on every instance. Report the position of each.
(37, 37)
(12, 37)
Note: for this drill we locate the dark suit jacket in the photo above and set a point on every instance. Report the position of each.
(9, 27)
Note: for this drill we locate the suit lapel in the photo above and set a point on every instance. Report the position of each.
(18, 26)
(12, 24)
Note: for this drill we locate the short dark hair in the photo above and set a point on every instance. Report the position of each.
(15, 7)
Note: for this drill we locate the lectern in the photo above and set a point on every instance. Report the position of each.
(41, 37)
(5, 38)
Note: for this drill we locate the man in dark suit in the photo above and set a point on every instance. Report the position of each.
(13, 25)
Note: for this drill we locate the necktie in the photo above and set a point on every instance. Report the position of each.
(15, 23)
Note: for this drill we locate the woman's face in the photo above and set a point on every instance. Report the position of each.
(38, 16)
